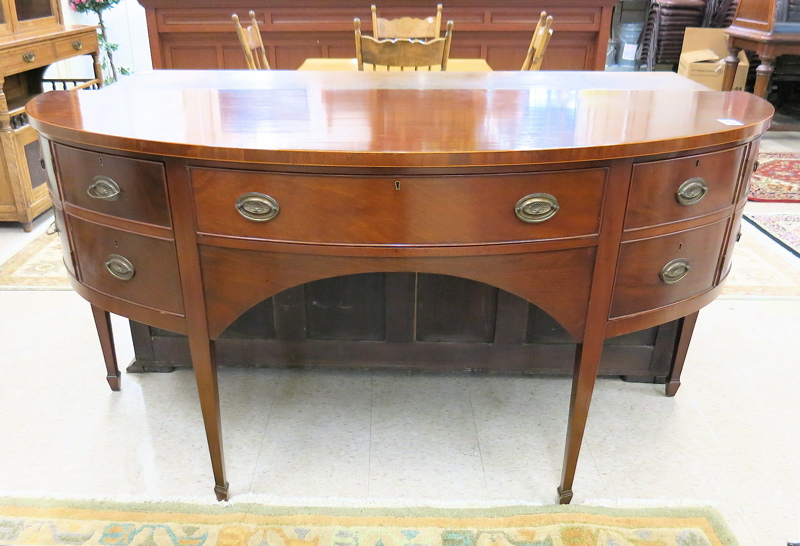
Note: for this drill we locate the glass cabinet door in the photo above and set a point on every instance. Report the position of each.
(33, 9)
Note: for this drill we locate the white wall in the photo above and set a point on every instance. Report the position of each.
(125, 25)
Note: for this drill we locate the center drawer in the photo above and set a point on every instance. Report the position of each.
(399, 210)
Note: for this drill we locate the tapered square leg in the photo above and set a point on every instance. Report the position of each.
(102, 321)
(587, 361)
(205, 372)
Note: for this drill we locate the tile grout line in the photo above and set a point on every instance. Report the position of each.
(477, 437)
(266, 426)
(369, 447)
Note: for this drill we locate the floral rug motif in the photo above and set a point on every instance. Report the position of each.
(38, 266)
(41, 521)
(782, 228)
(777, 178)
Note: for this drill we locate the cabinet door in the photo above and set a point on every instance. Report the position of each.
(33, 14)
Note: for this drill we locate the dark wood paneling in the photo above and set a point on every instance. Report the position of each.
(455, 310)
(499, 33)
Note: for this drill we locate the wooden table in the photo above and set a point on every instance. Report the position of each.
(453, 65)
(612, 201)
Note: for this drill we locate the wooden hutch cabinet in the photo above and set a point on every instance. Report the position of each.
(32, 37)
(199, 34)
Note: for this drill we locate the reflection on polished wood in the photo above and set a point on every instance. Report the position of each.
(611, 201)
(351, 65)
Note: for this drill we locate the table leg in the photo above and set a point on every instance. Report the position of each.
(587, 361)
(102, 321)
(685, 329)
(205, 372)
(731, 63)
(763, 76)
(98, 68)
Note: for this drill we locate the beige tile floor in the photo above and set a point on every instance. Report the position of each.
(730, 438)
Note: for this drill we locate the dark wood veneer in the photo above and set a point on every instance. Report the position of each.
(331, 147)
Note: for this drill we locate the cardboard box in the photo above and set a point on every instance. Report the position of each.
(703, 58)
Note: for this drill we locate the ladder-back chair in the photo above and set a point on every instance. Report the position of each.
(539, 41)
(407, 27)
(253, 46)
(402, 53)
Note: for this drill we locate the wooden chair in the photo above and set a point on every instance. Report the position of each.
(253, 46)
(402, 53)
(541, 37)
(407, 27)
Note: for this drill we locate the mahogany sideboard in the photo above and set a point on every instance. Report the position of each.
(610, 201)
(199, 34)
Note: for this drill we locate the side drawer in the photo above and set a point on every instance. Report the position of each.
(401, 210)
(133, 189)
(678, 189)
(649, 272)
(25, 58)
(69, 259)
(85, 43)
(146, 268)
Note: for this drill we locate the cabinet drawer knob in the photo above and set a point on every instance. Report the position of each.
(120, 267)
(691, 191)
(29, 57)
(104, 188)
(257, 207)
(674, 271)
(536, 207)
(77, 45)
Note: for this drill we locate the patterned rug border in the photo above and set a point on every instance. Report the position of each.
(765, 158)
(757, 221)
(253, 513)
(7, 268)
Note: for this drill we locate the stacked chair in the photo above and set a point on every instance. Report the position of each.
(661, 40)
(407, 27)
(404, 43)
(539, 41)
(402, 53)
(253, 46)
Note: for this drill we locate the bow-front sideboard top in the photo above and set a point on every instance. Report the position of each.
(612, 201)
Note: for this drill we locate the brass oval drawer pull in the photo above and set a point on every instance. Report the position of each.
(536, 207)
(674, 271)
(77, 45)
(104, 188)
(29, 57)
(257, 207)
(691, 191)
(120, 267)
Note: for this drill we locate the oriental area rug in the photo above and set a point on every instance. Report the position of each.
(38, 266)
(777, 178)
(39, 521)
(783, 228)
